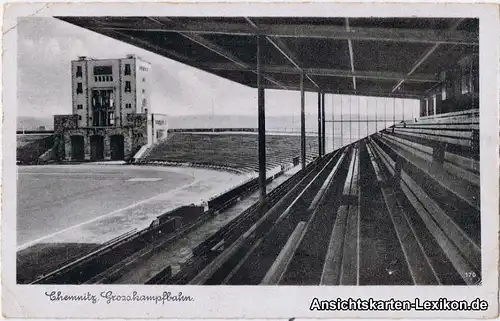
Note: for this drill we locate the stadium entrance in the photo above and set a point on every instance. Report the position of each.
(77, 147)
(117, 147)
(96, 147)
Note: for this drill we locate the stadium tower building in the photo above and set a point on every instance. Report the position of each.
(110, 118)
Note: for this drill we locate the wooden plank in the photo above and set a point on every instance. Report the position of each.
(376, 168)
(458, 134)
(333, 258)
(444, 179)
(388, 162)
(462, 173)
(451, 140)
(355, 174)
(289, 208)
(464, 162)
(349, 274)
(470, 250)
(417, 146)
(280, 265)
(350, 173)
(466, 113)
(465, 123)
(461, 265)
(466, 247)
(464, 126)
(327, 183)
(418, 263)
(420, 267)
(242, 261)
(406, 146)
(463, 170)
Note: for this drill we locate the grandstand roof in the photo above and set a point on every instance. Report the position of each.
(391, 57)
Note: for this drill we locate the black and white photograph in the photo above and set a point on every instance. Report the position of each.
(250, 150)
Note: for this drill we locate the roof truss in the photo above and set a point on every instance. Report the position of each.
(429, 36)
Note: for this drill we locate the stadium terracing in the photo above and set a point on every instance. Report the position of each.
(401, 206)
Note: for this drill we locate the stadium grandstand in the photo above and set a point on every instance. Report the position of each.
(219, 150)
(399, 205)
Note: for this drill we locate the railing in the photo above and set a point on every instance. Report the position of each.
(133, 245)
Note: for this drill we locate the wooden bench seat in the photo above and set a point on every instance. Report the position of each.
(458, 186)
(457, 165)
(463, 253)
(341, 266)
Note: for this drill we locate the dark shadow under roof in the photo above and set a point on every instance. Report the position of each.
(390, 57)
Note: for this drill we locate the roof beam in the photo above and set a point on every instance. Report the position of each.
(358, 92)
(149, 46)
(283, 49)
(218, 50)
(430, 36)
(385, 75)
(425, 56)
(351, 54)
(142, 43)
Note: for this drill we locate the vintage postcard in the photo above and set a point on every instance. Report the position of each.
(314, 160)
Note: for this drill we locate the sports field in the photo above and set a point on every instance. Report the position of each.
(94, 203)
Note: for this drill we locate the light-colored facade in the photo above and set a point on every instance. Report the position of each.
(105, 91)
(111, 115)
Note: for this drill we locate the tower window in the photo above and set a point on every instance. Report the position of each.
(79, 117)
(128, 105)
(79, 106)
(79, 88)
(111, 118)
(79, 71)
(128, 87)
(127, 69)
(103, 70)
(143, 91)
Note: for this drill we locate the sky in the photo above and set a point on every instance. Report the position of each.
(46, 47)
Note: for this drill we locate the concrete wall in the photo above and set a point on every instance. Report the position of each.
(127, 97)
(66, 126)
(106, 133)
(64, 122)
(80, 98)
(159, 128)
(143, 85)
(139, 131)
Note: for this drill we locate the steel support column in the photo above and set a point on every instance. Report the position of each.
(385, 115)
(302, 123)
(323, 137)
(262, 123)
(359, 119)
(333, 122)
(367, 128)
(341, 124)
(393, 111)
(319, 126)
